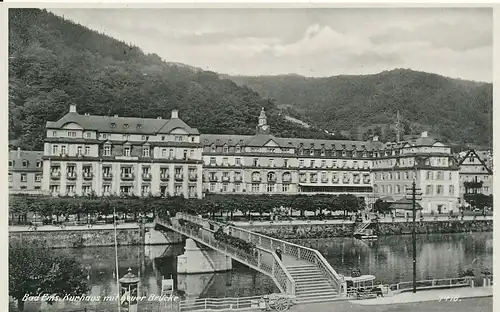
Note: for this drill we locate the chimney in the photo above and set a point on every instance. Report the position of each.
(116, 115)
(72, 108)
(18, 152)
(375, 138)
(175, 114)
(425, 134)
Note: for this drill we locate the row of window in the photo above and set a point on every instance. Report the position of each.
(323, 152)
(271, 163)
(125, 190)
(401, 189)
(88, 135)
(255, 188)
(146, 151)
(25, 163)
(24, 177)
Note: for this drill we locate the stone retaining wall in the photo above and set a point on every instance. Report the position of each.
(314, 231)
(82, 238)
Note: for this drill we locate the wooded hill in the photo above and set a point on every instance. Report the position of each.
(459, 111)
(54, 63)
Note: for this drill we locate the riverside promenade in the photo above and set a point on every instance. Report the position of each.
(464, 299)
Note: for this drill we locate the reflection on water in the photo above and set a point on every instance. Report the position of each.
(389, 259)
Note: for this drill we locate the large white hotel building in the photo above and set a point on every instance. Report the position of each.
(87, 154)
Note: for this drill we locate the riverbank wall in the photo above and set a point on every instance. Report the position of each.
(94, 237)
(82, 238)
(314, 231)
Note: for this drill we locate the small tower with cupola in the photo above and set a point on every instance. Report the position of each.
(263, 127)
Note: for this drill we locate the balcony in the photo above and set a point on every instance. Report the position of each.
(225, 179)
(146, 176)
(127, 176)
(55, 175)
(107, 176)
(193, 177)
(87, 175)
(71, 175)
(256, 179)
(213, 178)
(238, 178)
(164, 176)
(179, 177)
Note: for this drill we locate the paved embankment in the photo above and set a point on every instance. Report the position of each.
(466, 299)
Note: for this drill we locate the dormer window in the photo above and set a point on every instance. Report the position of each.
(25, 163)
(113, 125)
(354, 154)
(213, 147)
(125, 125)
(311, 152)
(323, 152)
(344, 153)
(139, 126)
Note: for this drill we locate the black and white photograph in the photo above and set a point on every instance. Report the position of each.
(299, 158)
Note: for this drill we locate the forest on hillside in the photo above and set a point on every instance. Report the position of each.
(458, 111)
(54, 62)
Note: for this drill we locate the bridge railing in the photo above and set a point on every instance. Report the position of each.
(434, 283)
(268, 243)
(260, 259)
(204, 304)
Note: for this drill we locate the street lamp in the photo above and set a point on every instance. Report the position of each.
(414, 194)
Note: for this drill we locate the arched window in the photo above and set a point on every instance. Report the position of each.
(256, 176)
(271, 176)
(287, 177)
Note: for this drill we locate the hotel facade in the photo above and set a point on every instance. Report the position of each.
(25, 172)
(120, 155)
(475, 169)
(104, 155)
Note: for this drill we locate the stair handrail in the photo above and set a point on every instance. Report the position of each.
(319, 259)
(290, 286)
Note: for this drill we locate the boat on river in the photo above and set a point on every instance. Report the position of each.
(366, 234)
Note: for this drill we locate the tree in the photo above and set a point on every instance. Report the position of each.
(35, 269)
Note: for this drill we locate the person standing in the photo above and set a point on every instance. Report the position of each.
(278, 253)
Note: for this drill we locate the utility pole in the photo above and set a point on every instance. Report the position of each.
(414, 194)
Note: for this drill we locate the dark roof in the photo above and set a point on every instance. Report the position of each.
(122, 124)
(404, 203)
(30, 156)
(261, 139)
(473, 153)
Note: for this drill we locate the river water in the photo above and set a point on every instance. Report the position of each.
(389, 259)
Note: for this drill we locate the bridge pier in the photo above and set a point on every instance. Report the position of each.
(202, 260)
(153, 236)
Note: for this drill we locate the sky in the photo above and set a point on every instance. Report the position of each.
(310, 42)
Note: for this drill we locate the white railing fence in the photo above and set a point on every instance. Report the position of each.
(434, 283)
(271, 244)
(260, 259)
(203, 304)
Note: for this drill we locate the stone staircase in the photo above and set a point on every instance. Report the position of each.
(311, 285)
